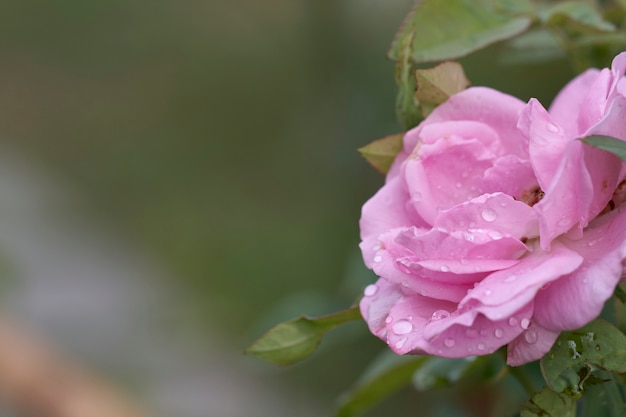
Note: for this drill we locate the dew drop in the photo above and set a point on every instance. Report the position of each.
(440, 314)
(495, 235)
(458, 185)
(402, 327)
(525, 323)
(405, 283)
(417, 197)
(488, 215)
(400, 343)
(563, 222)
(388, 320)
(531, 336)
(487, 293)
(445, 268)
(513, 321)
(498, 333)
(449, 342)
(471, 333)
(424, 292)
(552, 127)
(480, 346)
(592, 242)
(370, 290)
(378, 258)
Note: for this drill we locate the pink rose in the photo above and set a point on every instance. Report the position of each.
(496, 226)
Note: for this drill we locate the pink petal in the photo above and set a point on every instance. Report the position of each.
(510, 175)
(388, 209)
(531, 345)
(568, 103)
(547, 142)
(469, 333)
(497, 110)
(407, 319)
(446, 173)
(577, 298)
(567, 200)
(504, 292)
(375, 305)
(390, 263)
(613, 122)
(498, 215)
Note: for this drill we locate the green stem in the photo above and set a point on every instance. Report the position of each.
(524, 380)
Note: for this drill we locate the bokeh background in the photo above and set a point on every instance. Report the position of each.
(178, 176)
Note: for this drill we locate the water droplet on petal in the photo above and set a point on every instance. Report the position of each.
(402, 327)
(378, 258)
(498, 333)
(487, 293)
(525, 323)
(495, 235)
(458, 185)
(388, 319)
(531, 336)
(440, 314)
(513, 321)
(471, 333)
(510, 278)
(480, 346)
(370, 290)
(488, 215)
(449, 342)
(417, 197)
(445, 268)
(405, 283)
(592, 242)
(400, 343)
(551, 127)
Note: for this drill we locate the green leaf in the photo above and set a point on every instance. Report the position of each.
(608, 143)
(548, 403)
(449, 29)
(407, 106)
(386, 375)
(382, 152)
(535, 46)
(576, 354)
(296, 339)
(576, 15)
(603, 398)
(436, 85)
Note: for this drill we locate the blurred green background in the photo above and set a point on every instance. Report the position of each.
(221, 136)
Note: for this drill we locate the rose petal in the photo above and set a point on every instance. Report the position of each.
(576, 299)
(469, 333)
(490, 107)
(493, 213)
(510, 175)
(547, 141)
(407, 319)
(375, 307)
(446, 173)
(388, 263)
(388, 209)
(531, 345)
(503, 292)
(567, 200)
(568, 103)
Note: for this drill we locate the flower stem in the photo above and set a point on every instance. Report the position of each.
(523, 379)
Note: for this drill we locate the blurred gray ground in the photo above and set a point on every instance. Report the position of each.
(104, 302)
